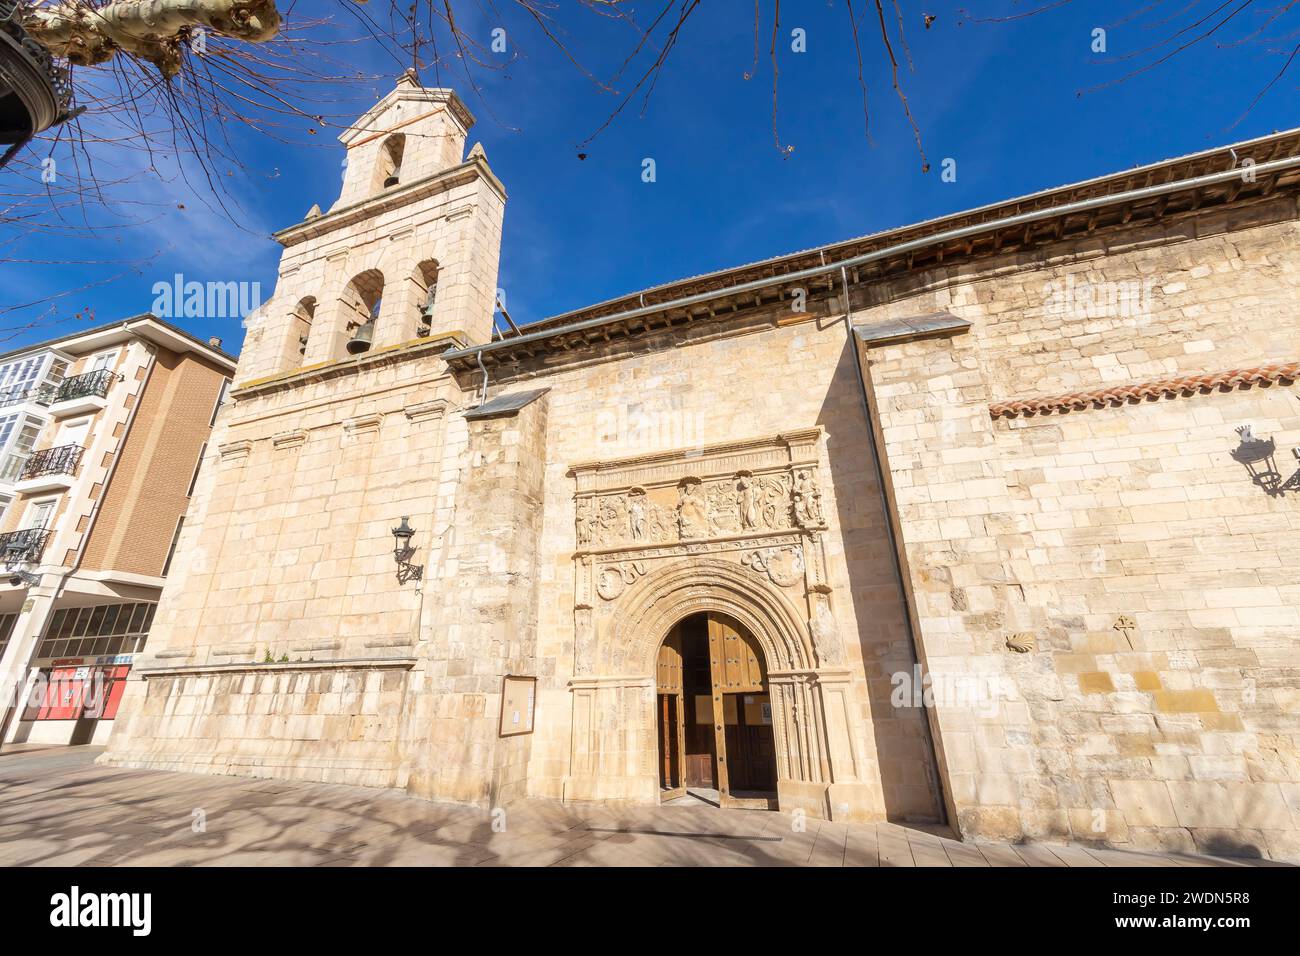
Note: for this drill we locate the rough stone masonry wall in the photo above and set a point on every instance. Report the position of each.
(1158, 705)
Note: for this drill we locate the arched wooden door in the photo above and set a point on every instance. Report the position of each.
(670, 709)
(742, 718)
(714, 715)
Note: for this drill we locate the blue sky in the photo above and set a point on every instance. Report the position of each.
(1002, 99)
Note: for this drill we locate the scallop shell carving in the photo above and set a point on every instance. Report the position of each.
(1021, 643)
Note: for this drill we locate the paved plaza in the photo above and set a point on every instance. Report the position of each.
(57, 808)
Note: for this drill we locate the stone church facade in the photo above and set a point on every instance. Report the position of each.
(965, 507)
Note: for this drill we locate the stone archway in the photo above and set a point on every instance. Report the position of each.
(695, 585)
(614, 730)
(735, 529)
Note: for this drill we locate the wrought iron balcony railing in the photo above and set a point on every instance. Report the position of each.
(17, 547)
(43, 394)
(62, 460)
(90, 383)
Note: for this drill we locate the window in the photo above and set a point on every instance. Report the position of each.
(17, 377)
(171, 551)
(7, 622)
(426, 280)
(98, 631)
(361, 301)
(300, 328)
(221, 400)
(388, 172)
(102, 361)
(40, 513)
(12, 468)
(5, 502)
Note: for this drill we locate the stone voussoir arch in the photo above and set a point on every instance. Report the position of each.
(691, 585)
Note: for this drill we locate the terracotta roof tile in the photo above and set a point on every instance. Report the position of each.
(1282, 373)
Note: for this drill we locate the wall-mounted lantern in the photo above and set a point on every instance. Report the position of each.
(1258, 455)
(403, 552)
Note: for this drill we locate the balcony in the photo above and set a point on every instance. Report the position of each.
(82, 393)
(17, 547)
(53, 469)
(38, 395)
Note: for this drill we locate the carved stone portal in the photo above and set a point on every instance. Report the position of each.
(735, 530)
(757, 504)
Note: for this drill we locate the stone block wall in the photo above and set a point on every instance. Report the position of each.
(1106, 584)
(483, 619)
(327, 722)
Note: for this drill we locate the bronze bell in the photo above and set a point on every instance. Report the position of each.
(362, 338)
(391, 181)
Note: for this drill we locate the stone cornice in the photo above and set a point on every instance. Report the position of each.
(475, 168)
(357, 663)
(376, 358)
(781, 451)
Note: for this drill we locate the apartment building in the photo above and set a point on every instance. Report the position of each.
(101, 436)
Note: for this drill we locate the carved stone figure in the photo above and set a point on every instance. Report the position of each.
(747, 501)
(775, 497)
(784, 566)
(636, 514)
(724, 509)
(585, 521)
(612, 521)
(807, 499)
(692, 512)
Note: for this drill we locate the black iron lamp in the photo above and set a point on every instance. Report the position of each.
(34, 89)
(403, 552)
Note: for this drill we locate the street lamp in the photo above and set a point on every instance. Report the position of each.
(403, 552)
(34, 89)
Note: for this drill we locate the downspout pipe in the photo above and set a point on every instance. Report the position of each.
(482, 398)
(963, 232)
(90, 525)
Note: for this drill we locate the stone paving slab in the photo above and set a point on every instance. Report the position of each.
(57, 808)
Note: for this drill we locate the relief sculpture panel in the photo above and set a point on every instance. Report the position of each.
(755, 503)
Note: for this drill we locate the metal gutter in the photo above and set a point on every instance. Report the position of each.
(1037, 215)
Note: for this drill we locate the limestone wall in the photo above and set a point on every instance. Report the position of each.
(662, 394)
(1155, 705)
(339, 724)
(287, 554)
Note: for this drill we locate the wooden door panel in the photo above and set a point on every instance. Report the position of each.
(668, 674)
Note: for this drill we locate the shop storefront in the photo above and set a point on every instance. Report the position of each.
(79, 672)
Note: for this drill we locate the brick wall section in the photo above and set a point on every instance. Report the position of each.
(148, 493)
(1158, 706)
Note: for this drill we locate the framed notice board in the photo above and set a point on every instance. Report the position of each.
(518, 703)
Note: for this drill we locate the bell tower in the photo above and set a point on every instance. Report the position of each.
(409, 249)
